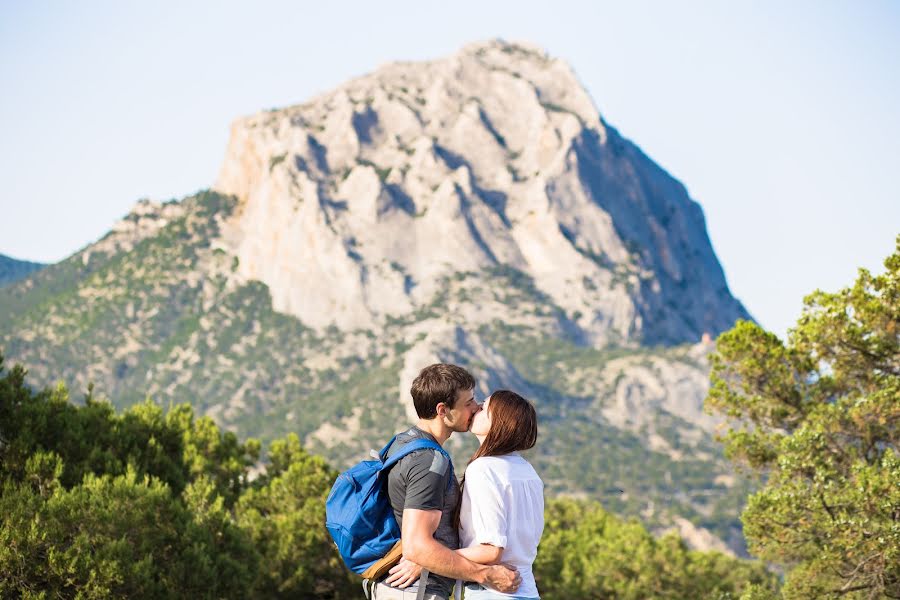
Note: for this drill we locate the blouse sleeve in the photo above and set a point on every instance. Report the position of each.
(487, 502)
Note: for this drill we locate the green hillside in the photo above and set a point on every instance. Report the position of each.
(162, 316)
(148, 503)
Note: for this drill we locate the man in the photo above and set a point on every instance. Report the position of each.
(421, 494)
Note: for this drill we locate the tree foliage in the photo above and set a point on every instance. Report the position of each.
(587, 552)
(153, 504)
(285, 517)
(161, 504)
(819, 417)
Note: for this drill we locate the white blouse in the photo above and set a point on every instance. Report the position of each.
(503, 505)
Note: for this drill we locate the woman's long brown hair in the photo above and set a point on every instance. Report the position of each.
(513, 428)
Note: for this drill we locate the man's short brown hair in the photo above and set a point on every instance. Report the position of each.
(439, 383)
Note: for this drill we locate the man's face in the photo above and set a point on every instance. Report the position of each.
(459, 418)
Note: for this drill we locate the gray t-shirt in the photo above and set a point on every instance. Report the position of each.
(421, 480)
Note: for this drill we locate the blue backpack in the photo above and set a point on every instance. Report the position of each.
(358, 512)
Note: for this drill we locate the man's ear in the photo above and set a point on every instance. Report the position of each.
(441, 409)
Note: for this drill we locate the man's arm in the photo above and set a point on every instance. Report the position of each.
(484, 554)
(420, 547)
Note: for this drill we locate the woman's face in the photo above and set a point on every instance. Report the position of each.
(481, 423)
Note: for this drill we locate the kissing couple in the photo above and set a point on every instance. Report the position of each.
(483, 531)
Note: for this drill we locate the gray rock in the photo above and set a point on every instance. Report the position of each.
(354, 205)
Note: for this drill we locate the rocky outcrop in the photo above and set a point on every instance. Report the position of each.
(355, 204)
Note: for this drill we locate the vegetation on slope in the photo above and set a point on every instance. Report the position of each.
(161, 504)
(819, 417)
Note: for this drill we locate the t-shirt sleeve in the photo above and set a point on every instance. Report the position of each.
(427, 477)
(486, 498)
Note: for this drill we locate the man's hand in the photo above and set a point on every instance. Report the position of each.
(403, 574)
(503, 578)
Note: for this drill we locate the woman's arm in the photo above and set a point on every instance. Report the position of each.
(485, 501)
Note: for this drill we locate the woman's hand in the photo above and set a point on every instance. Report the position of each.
(403, 574)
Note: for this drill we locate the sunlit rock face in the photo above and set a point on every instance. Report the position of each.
(354, 206)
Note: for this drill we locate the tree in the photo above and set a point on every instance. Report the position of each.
(173, 446)
(284, 513)
(120, 537)
(818, 417)
(154, 504)
(586, 552)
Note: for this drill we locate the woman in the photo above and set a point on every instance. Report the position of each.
(501, 512)
(501, 515)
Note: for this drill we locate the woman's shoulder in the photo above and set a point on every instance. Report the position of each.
(482, 462)
(506, 463)
(486, 464)
(487, 471)
(495, 460)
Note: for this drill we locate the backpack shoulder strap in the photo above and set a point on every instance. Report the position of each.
(413, 446)
(384, 450)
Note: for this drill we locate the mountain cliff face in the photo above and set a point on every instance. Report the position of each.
(475, 209)
(354, 205)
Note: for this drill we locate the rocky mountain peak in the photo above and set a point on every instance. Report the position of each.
(355, 206)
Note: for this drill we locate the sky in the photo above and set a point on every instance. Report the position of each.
(782, 119)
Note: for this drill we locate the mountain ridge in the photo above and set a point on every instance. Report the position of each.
(13, 269)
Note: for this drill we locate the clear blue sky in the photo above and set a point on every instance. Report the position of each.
(781, 118)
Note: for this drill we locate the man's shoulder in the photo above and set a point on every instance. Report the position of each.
(430, 458)
(409, 436)
(426, 459)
